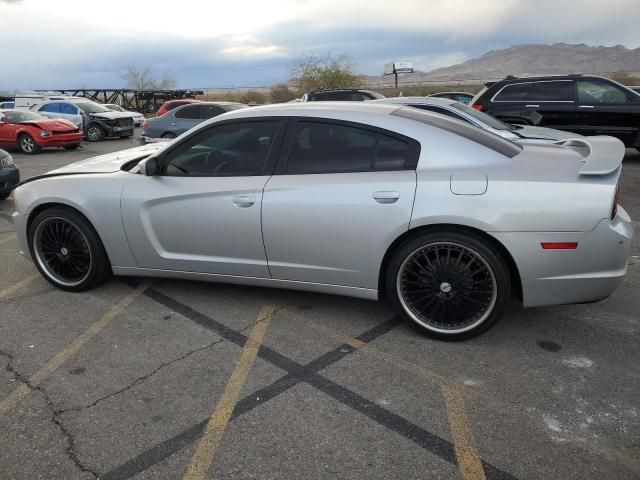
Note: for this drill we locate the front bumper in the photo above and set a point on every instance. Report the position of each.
(20, 225)
(9, 179)
(589, 273)
(61, 140)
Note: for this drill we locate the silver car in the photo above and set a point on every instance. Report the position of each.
(444, 220)
(178, 120)
(460, 111)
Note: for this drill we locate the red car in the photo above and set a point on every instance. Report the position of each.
(171, 104)
(30, 131)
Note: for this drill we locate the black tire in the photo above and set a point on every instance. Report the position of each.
(95, 133)
(27, 144)
(448, 285)
(169, 135)
(4, 195)
(67, 250)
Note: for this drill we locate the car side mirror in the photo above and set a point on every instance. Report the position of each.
(149, 167)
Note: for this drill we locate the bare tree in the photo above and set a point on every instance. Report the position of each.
(312, 72)
(145, 79)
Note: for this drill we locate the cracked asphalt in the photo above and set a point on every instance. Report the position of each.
(125, 381)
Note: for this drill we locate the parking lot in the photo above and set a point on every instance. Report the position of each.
(157, 379)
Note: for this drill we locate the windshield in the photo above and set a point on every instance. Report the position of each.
(91, 107)
(481, 117)
(18, 116)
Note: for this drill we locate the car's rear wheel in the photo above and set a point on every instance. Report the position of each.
(168, 135)
(95, 133)
(27, 144)
(449, 286)
(67, 250)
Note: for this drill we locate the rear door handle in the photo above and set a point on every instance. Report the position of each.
(243, 201)
(386, 196)
(586, 106)
(532, 106)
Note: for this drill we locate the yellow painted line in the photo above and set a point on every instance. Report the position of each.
(6, 239)
(22, 391)
(203, 456)
(469, 463)
(5, 293)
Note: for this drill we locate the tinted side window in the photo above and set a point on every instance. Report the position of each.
(234, 149)
(516, 92)
(392, 153)
(318, 147)
(441, 111)
(51, 108)
(326, 147)
(191, 112)
(551, 91)
(211, 111)
(592, 92)
(68, 108)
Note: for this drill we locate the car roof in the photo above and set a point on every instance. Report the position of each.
(437, 101)
(331, 90)
(450, 93)
(310, 109)
(570, 76)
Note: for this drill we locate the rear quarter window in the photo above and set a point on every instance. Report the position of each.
(475, 134)
(516, 92)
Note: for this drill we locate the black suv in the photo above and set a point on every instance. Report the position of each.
(584, 104)
(349, 95)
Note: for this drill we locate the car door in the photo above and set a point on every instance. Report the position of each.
(550, 103)
(338, 199)
(8, 130)
(508, 103)
(71, 112)
(187, 117)
(202, 212)
(606, 109)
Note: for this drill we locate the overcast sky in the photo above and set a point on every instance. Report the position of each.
(82, 43)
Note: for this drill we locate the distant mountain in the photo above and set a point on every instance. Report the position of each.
(558, 58)
(537, 59)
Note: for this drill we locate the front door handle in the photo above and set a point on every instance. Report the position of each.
(386, 196)
(243, 201)
(585, 106)
(532, 106)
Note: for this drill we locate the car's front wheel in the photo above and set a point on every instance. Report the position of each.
(95, 133)
(27, 144)
(67, 250)
(449, 286)
(168, 135)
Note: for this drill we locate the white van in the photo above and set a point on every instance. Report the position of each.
(25, 100)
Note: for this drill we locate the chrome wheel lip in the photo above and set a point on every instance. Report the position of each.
(428, 326)
(27, 144)
(43, 264)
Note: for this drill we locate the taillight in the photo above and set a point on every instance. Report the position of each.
(616, 201)
(145, 124)
(478, 107)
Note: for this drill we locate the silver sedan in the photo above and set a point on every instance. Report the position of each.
(445, 221)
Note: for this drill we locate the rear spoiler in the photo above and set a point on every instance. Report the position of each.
(602, 155)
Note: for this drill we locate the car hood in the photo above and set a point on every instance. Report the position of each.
(110, 162)
(543, 133)
(111, 115)
(57, 125)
